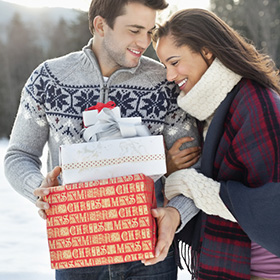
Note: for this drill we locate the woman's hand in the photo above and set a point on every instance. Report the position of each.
(177, 159)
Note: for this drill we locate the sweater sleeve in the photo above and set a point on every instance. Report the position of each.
(29, 134)
(203, 190)
(178, 123)
(185, 207)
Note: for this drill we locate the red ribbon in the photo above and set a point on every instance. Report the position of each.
(99, 106)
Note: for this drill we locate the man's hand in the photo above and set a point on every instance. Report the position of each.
(168, 220)
(177, 159)
(50, 181)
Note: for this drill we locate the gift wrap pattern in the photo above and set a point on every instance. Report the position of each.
(101, 222)
(113, 158)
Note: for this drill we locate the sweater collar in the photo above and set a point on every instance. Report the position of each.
(208, 93)
(88, 50)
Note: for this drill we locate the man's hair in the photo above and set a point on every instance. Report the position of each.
(111, 9)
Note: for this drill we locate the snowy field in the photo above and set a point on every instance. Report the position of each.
(24, 251)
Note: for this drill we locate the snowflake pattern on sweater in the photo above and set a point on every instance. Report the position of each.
(59, 90)
(60, 105)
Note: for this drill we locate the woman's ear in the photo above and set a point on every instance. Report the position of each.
(207, 54)
(99, 24)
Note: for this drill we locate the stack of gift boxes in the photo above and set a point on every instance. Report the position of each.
(102, 212)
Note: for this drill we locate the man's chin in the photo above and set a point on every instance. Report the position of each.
(132, 62)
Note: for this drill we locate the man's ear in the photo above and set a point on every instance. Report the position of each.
(99, 24)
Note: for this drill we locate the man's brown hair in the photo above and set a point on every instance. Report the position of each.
(111, 9)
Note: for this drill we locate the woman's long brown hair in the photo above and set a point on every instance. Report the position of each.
(198, 29)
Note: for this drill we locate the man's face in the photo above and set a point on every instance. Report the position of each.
(123, 45)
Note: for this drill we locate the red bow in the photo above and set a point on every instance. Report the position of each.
(99, 106)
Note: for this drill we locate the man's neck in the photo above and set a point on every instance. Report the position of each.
(105, 66)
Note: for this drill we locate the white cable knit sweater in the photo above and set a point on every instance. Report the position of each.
(201, 102)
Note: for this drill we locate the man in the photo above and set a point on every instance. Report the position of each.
(109, 68)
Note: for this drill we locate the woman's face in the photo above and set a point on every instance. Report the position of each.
(183, 66)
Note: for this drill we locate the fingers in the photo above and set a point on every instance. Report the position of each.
(185, 155)
(178, 143)
(40, 203)
(182, 159)
(42, 214)
(186, 160)
(50, 180)
(168, 220)
(42, 207)
(190, 150)
(189, 163)
(42, 190)
(162, 251)
(163, 245)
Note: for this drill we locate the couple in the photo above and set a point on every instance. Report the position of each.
(227, 88)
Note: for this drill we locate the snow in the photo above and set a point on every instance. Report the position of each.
(23, 239)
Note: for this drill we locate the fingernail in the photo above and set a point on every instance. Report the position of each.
(46, 191)
(157, 254)
(147, 263)
(46, 206)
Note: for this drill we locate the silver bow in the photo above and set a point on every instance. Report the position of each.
(110, 126)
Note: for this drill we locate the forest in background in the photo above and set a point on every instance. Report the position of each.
(24, 45)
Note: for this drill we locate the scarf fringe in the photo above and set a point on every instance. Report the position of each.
(189, 257)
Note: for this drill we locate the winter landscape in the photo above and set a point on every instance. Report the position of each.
(24, 251)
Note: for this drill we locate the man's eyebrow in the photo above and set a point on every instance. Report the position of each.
(139, 26)
(136, 26)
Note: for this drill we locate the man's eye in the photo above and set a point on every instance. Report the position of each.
(174, 63)
(134, 31)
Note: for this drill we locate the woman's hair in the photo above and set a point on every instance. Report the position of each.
(198, 29)
(110, 9)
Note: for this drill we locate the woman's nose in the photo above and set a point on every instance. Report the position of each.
(170, 75)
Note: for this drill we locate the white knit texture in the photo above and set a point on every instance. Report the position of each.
(205, 97)
(203, 190)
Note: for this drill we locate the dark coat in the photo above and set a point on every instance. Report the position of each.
(242, 151)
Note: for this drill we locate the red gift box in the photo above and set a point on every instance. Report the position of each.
(101, 222)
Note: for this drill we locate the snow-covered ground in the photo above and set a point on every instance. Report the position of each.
(24, 251)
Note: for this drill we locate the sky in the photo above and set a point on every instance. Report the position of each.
(84, 4)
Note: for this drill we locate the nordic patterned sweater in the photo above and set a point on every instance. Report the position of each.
(57, 93)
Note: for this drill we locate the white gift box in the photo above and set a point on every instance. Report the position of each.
(113, 158)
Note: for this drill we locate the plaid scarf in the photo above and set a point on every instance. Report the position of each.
(241, 145)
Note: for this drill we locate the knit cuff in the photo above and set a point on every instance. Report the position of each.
(185, 207)
(203, 190)
(176, 184)
(31, 183)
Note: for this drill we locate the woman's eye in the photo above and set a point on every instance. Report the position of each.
(134, 31)
(174, 63)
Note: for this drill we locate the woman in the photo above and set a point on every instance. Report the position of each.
(234, 90)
